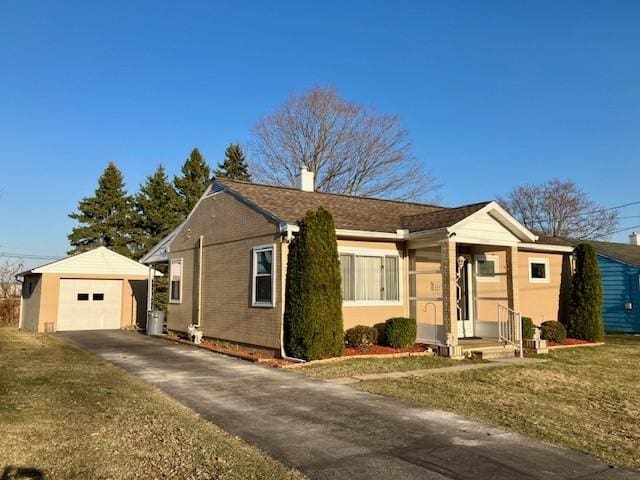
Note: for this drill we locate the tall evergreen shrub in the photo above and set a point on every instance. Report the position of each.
(585, 304)
(313, 306)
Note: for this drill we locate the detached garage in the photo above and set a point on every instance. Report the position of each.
(95, 290)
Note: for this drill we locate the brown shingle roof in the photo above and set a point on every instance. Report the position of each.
(441, 218)
(349, 212)
(619, 251)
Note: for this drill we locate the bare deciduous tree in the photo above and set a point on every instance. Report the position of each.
(9, 292)
(560, 209)
(352, 149)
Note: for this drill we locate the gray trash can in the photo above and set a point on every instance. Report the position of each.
(155, 322)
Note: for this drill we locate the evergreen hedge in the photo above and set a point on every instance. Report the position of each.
(401, 332)
(553, 331)
(313, 326)
(361, 336)
(585, 302)
(528, 328)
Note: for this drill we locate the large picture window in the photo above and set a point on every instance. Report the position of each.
(263, 285)
(175, 281)
(370, 278)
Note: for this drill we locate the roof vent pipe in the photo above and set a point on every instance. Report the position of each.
(634, 239)
(305, 180)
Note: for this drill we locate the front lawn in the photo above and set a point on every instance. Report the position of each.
(360, 366)
(583, 398)
(66, 414)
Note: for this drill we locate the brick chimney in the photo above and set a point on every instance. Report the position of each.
(305, 180)
(634, 238)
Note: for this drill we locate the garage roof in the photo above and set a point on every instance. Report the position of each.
(99, 261)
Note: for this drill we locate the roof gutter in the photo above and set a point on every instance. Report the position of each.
(346, 233)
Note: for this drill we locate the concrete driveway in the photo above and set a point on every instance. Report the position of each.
(331, 431)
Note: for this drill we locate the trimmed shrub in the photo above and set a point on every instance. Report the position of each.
(313, 326)
(381, 329)
(553, 331)
(401, 332)
(585, 301)
(528, 328)
(360, 336)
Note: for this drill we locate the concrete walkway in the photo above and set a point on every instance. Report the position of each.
(331, 431)
(424, 372)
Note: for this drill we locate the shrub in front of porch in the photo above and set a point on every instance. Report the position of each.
(313, 325)
(400, 332)
(528, 328)
(585, 302)
(360, 336)
(553, 331)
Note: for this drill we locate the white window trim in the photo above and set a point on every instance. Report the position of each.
(171, 262)
(376, 253)
(496, 269)
(547, 270)
(254, 276)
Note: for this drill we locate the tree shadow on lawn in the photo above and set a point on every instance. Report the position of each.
(23, 473)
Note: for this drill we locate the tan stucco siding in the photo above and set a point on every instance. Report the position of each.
(133, 298)
(31, 291)
(540, 301)
(230, 230)
(40, 308)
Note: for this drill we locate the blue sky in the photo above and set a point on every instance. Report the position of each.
(494, 93)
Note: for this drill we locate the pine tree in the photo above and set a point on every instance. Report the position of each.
(158, 211)
(585, 303)
(106, 218)
(313, 303)
(235, 165)
(196, 177)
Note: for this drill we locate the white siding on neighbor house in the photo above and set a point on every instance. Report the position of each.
(100, 261)
(484, 229)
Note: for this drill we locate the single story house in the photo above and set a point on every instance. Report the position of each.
(464, 273)
(620, 271)
(94, 290)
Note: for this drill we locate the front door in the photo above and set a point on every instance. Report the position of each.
(464, 297)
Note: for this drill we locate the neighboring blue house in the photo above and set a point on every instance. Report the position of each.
(620, 271)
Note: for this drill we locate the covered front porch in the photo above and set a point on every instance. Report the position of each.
(463, 296)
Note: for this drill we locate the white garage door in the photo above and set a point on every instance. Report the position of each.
(89, 304)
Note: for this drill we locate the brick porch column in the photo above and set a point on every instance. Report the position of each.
(448, 268)
(512, 278)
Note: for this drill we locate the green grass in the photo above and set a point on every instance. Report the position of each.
(360, 366)
(583, 398)
(69, 415)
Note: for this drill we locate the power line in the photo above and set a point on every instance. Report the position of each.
(625, 229)
(28, 256)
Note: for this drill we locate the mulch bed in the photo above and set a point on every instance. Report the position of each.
(569, 341)
(380, 350)
(254, 356)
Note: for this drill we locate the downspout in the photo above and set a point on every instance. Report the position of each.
(150, 289)
(200, 280)
(21, 296)
(283, 281)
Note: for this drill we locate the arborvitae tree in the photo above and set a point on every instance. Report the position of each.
(158, 211)
(235, 164)
(313, 306)
(106, 219)
(585, 304)
(196, 177)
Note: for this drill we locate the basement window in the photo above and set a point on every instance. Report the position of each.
(175, 281)
(83, 297)
(98, 297)
(263, 291)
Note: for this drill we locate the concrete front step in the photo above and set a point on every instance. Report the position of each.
(498, 351)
